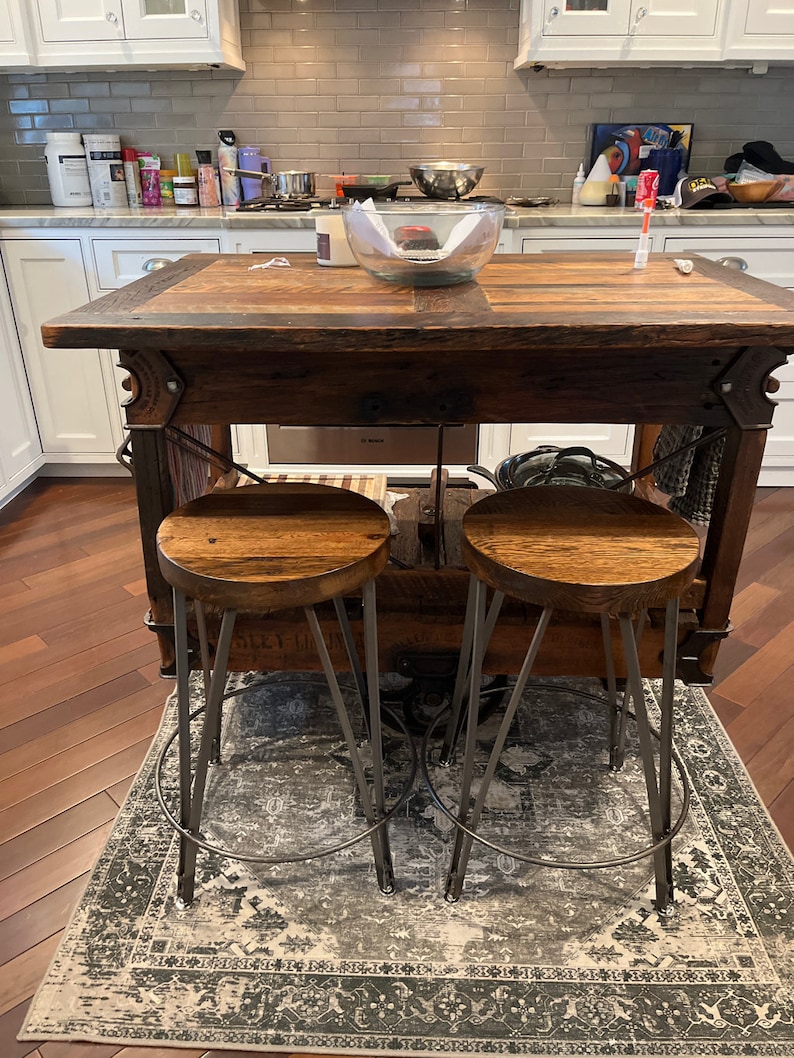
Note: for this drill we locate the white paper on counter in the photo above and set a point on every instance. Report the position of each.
(382, 241)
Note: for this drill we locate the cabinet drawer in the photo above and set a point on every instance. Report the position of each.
(544, 244)
(118, 262)
(765, 257)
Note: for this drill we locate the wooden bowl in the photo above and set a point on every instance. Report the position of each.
(759, 191)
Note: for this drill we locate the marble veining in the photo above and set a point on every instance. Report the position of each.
(561, 216)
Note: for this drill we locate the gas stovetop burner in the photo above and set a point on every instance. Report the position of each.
(283, 205)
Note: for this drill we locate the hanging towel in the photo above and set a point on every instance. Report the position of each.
(690, 479)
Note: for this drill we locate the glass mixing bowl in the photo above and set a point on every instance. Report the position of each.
(423, 244)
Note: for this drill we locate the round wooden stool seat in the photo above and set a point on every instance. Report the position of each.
(269, 547)
(579, 549)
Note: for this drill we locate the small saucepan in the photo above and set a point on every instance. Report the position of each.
(550, 465)
(293, 183)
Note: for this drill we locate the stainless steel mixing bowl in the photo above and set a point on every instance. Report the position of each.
(446, 179)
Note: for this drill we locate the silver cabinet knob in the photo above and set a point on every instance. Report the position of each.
(642, 12)
(737, 263)
(154, 263)
(554, 12)
(197, 16)
(112, 17)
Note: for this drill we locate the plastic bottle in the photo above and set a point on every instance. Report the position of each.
(578, 184)
(596, 187)
(167, 186)
(150, 180)
(132, 177)
(227, 159)
(207, 193)
(67, 169)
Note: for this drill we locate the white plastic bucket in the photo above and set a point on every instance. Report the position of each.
(67, 172)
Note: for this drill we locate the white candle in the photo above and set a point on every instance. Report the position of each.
(332, 245)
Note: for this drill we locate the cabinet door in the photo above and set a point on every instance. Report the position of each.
(165, 19)
(585, 18)
(69, 386)
(674, 18)
(64, 20)
(769, 17)
(15, 47)
(20, 447)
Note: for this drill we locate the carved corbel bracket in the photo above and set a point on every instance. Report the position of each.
(155, 388)
(744, 385)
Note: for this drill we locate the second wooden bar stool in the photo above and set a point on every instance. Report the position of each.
(257, 549)
(585, 550)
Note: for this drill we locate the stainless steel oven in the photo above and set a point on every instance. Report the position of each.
(370, 445)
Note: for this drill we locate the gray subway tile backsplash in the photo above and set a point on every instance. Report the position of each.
(377, 85)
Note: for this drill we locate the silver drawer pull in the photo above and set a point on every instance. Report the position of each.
(154, 263)
(738, 263)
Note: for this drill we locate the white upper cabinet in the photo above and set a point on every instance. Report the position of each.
(118, 34)
(760, 30)
(15, 38)
(622, 32)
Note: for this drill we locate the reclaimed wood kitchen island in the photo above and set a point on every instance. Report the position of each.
(549, 338)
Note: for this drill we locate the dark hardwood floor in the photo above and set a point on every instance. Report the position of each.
(81, 699)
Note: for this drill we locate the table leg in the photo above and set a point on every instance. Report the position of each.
(155, 501)
(730, 518)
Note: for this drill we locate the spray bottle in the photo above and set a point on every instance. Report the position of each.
(578, 184)
(227, 159)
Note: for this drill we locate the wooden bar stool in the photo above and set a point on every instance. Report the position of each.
(258, 549)
(585, 550)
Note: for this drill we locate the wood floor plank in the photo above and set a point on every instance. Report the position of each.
(71, 791)
(21, 650)
(20, 977)
(60, 642)
(56, 1049)
(55, 744)
(40, 919)
(118, 791)
(55, 833)
(93, 675)
(772, 767)
(749, 602)
(766, 664)
(760, 720)
(51, 872)
(782, 812)
(26, 614)
(10, 1024)
(38, 778)
(66, 712)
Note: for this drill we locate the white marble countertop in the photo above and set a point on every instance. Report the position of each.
(562, 216)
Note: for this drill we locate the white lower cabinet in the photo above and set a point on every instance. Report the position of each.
(77, 393)
(20, 446)
(71, 388)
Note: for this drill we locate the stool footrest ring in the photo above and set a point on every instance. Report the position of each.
(537, 861)
(313, 854)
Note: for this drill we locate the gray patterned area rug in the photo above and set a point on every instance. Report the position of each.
(531, 961)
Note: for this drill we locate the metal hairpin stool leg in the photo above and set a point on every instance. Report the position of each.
(262, 548)
(577, 549)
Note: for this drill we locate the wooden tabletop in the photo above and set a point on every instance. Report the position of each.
(580, 299)
(574, 337)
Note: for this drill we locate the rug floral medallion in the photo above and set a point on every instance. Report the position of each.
(310, 956)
